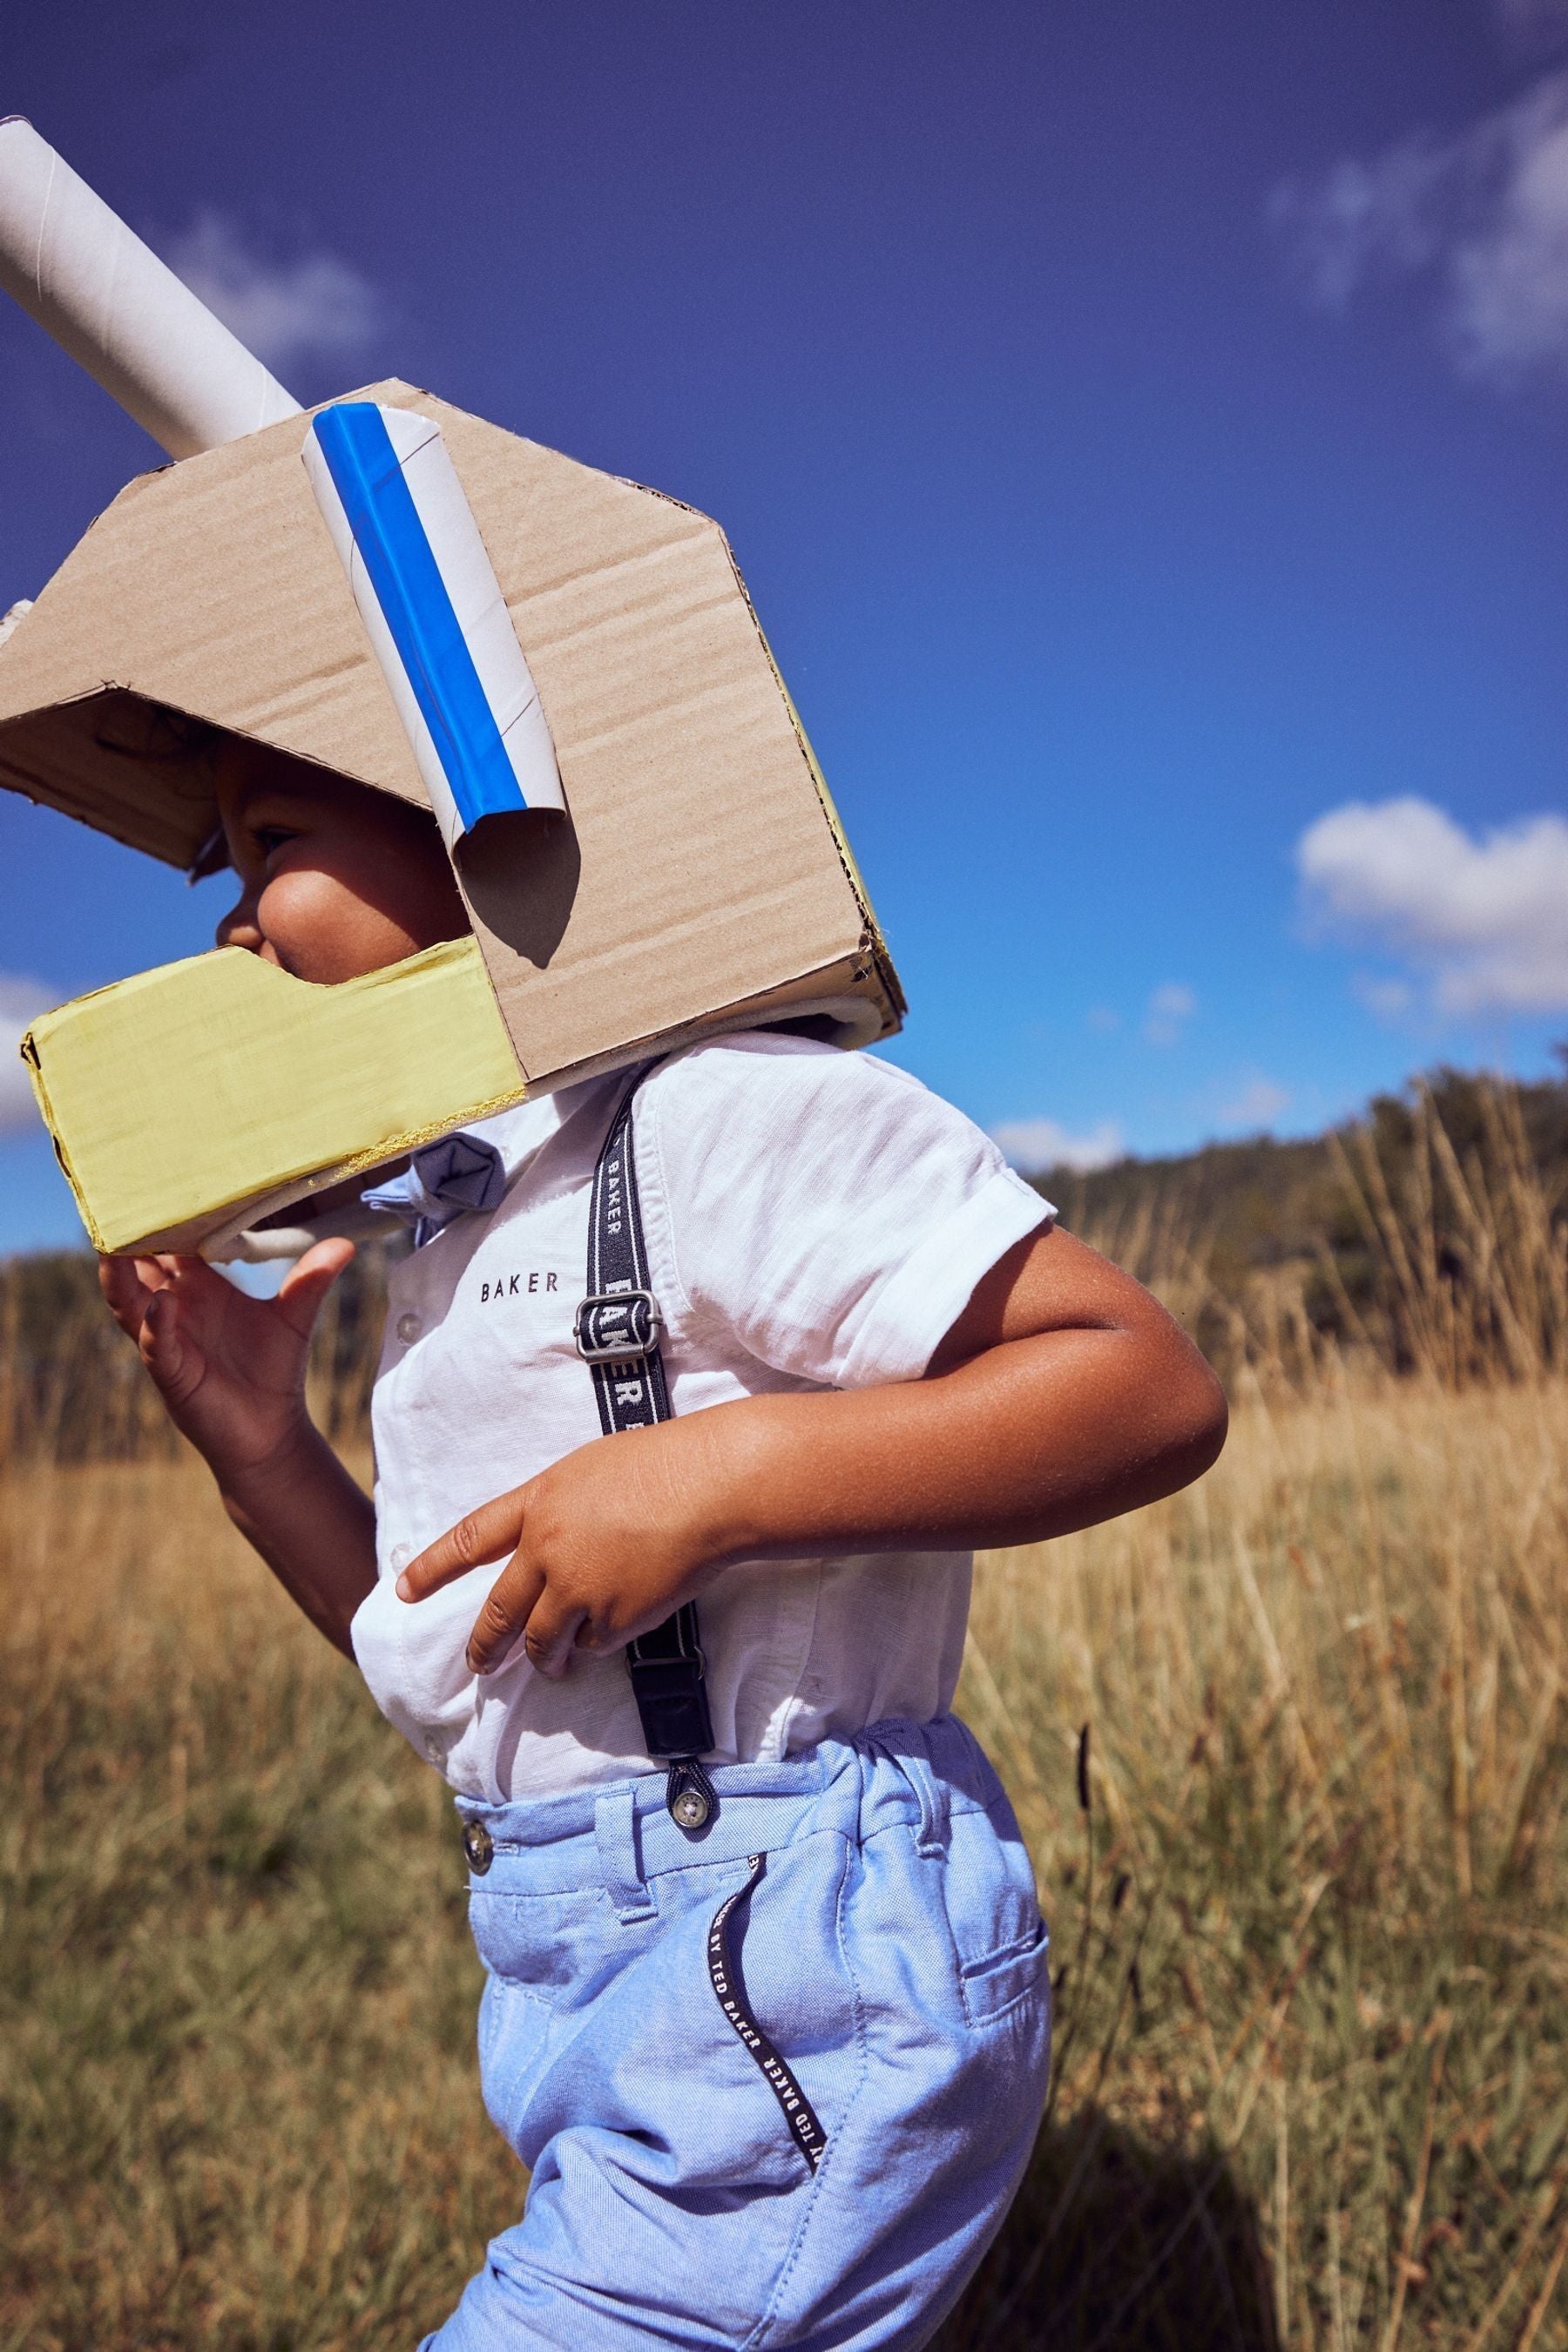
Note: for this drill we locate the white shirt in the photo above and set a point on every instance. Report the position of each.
(814, 1219)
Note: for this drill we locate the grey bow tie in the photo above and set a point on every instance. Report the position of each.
(460, 1175)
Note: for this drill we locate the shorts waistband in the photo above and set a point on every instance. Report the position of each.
(620, 1834)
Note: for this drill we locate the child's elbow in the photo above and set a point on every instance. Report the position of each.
(1199, 1420)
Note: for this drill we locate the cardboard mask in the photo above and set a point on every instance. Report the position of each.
(644, 843)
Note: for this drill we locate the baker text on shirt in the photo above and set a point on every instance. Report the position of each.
(517, 1285)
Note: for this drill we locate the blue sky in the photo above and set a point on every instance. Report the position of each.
(1141, 429)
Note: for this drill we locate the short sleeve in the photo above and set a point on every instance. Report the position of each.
(824, 1207)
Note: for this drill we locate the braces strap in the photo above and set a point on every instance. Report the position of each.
(618, 1330)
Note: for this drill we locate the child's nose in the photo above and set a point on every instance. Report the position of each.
(239, 927)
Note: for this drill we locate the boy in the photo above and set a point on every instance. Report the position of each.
(777, 2072)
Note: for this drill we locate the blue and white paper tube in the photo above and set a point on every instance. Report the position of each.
(429, 596)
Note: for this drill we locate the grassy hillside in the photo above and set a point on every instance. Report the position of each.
(1428, 1232)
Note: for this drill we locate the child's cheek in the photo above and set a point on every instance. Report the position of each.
(321, 930)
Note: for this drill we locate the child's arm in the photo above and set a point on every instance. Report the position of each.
(1064, 1394)
(231, 1372)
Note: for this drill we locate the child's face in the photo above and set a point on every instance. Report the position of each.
(335, 880)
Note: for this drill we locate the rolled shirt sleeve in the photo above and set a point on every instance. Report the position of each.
(825, 1207)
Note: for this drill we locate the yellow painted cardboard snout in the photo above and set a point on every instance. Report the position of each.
(173, 1096)
(702, 882)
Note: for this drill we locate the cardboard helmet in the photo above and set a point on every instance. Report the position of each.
(565, 666)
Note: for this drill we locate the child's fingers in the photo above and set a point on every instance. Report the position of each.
(513, 1603)
(163, 1346)
(486, 1534)
(550, 1635)
(169, 1339)
(307, 1284)
(143, 1297)
(188, 1298)
(128, 1297)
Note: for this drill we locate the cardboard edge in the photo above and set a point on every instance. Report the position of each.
(29, 1054)
(824, 799)
(14, 777)
(237, 1215)
(852, 980)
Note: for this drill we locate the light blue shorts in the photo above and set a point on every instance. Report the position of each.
(776, 2082)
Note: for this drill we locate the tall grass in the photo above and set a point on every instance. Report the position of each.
(1308, 1867)
(1290, 1750)
(236, 2094)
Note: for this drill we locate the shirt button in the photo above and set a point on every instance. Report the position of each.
(409, 1327)
(433, 1748)
(400, 1555)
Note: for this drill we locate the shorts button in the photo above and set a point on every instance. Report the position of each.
(479, 1847)
(409, 1327)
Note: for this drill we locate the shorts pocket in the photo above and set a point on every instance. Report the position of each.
(999, 1938)
(515, 2032)
(543, 1953)
(991, 1986)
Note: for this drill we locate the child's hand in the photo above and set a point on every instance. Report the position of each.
(230, 1369)
(1062, 1394)
(603, 1545)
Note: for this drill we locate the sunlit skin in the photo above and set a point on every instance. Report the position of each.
(334, 880)
(1063, 1395)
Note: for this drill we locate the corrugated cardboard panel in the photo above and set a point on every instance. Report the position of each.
(709, 870)
(90, 759)
(212, 585)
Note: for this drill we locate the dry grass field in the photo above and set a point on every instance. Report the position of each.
(1290, 1750)
(1313, 1921)
(1309, 1889)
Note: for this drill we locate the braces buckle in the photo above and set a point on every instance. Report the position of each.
(637, 1337)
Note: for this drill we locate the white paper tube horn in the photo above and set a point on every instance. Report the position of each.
(120, 311)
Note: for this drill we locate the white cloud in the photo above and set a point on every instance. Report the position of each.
(1358, 221)
(1485, 210)
(1257, 1105)
(1484, 921)
(1169, 1009)
(1390, 1000)
(1033, 1144)
(316, 306)
(21, 1001)
(1103, 1020)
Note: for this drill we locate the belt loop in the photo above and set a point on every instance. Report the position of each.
(932, 1789)
(615, 1826)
